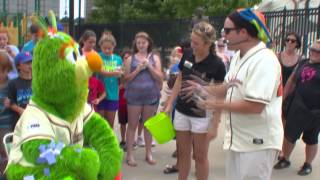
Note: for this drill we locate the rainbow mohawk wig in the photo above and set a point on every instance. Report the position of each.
(257, 19)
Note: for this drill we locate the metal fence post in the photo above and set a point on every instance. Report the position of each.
(37, 7)
(284, 18)
(19, 28)
(4, 10)
(5, 14)
(318, 27)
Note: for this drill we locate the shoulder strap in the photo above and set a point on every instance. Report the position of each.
(279, 57)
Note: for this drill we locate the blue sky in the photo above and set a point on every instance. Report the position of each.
(64, 5)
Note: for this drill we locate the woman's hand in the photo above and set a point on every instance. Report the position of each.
(96, 101)
(188, 89)
(6, 103)
(118, 72)
(212, 131)
(141, 66)
(10, 52)
(167, 108)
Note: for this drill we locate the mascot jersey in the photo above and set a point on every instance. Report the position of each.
(36, 123)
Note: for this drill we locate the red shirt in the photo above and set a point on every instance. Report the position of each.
(96, 88)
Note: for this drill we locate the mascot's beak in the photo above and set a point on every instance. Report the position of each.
(94, 61)
(86, 66)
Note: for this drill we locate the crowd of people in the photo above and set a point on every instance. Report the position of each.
(235, 79)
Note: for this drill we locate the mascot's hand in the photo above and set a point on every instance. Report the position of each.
(98, 134)
(83, 162)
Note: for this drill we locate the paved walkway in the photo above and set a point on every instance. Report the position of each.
(162, 153)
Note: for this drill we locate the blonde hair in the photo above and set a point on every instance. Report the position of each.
(107, 38)
(143, 35)
(206, 31)
(5, 62)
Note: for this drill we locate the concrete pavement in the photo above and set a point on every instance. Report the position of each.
(162, 154)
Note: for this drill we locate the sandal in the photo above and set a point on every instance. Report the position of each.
(169, 169)
(306, 169)
(174, 154)
(282, 163)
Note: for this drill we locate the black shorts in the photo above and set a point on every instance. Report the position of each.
(302, 120)
(123, 114)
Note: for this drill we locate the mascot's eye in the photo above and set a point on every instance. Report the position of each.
(74, 56)
(71, 57)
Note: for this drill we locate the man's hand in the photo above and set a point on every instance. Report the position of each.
(211, 103)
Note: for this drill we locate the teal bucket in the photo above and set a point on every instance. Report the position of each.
(160, 127)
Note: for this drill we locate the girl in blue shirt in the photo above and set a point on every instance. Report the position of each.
(109, 75)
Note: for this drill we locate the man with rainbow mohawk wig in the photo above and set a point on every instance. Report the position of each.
(59, 136)
(251, 99)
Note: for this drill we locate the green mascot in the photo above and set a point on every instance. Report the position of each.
(59, 136)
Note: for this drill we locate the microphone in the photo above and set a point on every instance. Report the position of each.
(236, 43)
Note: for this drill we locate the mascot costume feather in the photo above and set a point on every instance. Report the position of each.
(59, 136)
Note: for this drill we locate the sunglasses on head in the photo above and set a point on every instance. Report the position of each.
(228, 30)
(204, 30)
(291, 40)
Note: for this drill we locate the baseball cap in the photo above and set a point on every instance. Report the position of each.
(23, 57)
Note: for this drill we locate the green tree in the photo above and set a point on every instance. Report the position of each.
(223, 7)
(107, 11)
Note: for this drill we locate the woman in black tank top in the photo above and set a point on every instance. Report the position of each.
(289, 57)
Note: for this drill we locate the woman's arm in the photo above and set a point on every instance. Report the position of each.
(175, 91)
(105, 73)
(290, 85)
(99, 98)
(156, 72)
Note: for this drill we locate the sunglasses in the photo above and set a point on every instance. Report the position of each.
(291, 40)
(228, 30)
(315, 50)
(202, 29)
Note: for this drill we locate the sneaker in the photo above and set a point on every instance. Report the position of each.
(140, 142)
(153, 144)
(135, 146)
(306, 169)
(282, 163)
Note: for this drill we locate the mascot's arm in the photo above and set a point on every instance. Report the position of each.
(69, 162)
(99, 135)
(30, 149)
